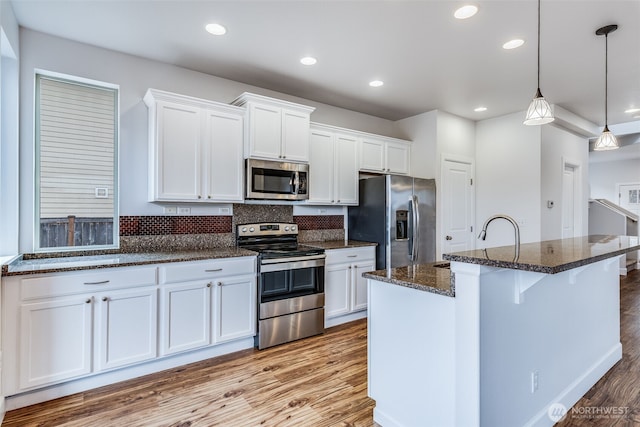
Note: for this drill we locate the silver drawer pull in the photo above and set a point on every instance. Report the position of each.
(104, 282)
(352, 256)
(220, 284)
(213, 271)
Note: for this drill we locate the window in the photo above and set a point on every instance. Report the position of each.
(76, 132)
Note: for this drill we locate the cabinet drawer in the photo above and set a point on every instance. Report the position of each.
(350, 255)
(61, 284)
(183, 272)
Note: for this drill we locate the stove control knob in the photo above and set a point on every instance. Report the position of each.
(286, 228)
(251, 229)
(244, 229)
(293, 228)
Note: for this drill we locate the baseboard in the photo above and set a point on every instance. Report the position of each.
(383, 419)
(123, 374)
(574, 392)
(345, 318)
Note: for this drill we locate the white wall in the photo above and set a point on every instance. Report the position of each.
(604, 176)
(508, 178)
(558, 147)
(422, 130)
(135, 75)
(9, 70)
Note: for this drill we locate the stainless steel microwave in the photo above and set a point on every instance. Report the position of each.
(271, 180)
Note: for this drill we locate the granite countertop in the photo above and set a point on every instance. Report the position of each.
(551, 256)
(423, 277)
(338, 244)
(21, 266)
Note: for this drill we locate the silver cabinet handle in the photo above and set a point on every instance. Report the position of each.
(105, 299)
(209, 285)
(352, 256)
(220, 284)
(88, 301)
(199, 196)
(448, 238)
(104, 282)
(213, 270)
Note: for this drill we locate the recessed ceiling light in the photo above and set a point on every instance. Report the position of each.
(480, 109)
(512, 44)
(632, 110)
(308, 60)
(216, 29)
(376, 83)
(466, 11)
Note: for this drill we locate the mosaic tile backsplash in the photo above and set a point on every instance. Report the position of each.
(164, 225)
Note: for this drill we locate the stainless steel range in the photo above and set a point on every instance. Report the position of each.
(290, 283)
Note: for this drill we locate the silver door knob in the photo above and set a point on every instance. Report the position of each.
(449, 238)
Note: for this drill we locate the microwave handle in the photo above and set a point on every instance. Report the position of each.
(296, 182)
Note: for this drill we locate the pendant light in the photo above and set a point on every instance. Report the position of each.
(606, 141)
(539, 112)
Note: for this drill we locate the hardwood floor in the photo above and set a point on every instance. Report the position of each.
(319, 381)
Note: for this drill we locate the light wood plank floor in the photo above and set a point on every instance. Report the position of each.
(319, 381)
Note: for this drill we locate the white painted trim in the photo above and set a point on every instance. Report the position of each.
(578, 219)
(339, 320)
(99, 380)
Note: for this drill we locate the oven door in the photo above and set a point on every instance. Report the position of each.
(276, 180)
(282, 279)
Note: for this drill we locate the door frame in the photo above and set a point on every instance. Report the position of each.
(578, 217)
(440, 197)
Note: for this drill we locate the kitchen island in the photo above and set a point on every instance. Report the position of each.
(499, 340)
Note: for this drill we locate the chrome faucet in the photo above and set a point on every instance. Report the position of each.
(516, 230)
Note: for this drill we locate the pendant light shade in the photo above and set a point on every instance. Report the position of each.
(539, 111)
(606, 141)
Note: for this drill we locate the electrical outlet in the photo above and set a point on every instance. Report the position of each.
(534, 381)
(322, 211)
(172, 210)
(184, 211)
(225, 211)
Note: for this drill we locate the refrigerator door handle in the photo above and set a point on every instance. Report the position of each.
(416, 228)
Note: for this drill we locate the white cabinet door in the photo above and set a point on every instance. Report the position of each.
(295, 136)
(185, 316)
(397, 157)
(265, 131)
(359, 285)
(178, 151)
(224, 160)
(126, 327)
(337, 289)
(372, 152)
(321, 171)
(346, 170)
(235, 308)
(55, 340)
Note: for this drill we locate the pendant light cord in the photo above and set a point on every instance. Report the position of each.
(538, 44)
(606, 79)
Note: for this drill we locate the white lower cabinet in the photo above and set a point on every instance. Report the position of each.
(218, 305)
(65, 326)
(345, 288)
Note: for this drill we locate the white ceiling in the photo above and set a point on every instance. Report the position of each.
(427, 59)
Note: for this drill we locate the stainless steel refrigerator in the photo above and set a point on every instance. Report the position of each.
(390, 207)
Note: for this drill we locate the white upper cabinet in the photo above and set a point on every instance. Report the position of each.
(275, 129)
(385, 155)
(195, 149)
(333, 166)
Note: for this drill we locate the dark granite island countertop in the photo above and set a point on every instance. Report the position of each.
(432, 277)
(21, 266)
(551, 256)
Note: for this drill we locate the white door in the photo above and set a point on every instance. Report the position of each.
(185, 316)
(337, 289)
(179, 150)
(346, 170)
(235, 308)
(55, 340)
(295, 136)
(568, 201)
(457, 206)
(224, 162)
(321, 171)
(127, 327)
(359, 285)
